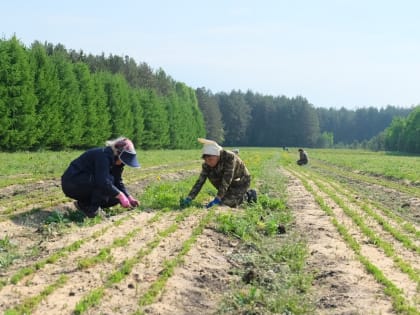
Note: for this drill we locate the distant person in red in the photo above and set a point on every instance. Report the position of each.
(303, 157)
(94, 179)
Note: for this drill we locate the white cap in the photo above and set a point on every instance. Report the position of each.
(210, 147)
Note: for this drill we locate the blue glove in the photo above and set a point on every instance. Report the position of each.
(216, 201)
(185, 202)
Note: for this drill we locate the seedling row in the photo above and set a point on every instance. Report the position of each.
(373, 238)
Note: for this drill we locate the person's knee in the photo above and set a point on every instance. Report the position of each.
(230, 202)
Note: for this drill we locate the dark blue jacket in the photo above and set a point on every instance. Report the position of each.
(99, 165)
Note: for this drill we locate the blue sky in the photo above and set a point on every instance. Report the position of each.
(336, 54)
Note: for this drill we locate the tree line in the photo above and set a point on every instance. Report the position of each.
(253, 119)
(50, 101)
(55, 98)
(403, 134)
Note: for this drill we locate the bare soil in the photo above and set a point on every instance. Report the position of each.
(197, 286)
(341, 284)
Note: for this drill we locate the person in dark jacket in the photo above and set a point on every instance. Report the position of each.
(303, 157)
(227, 173)
(95, 181)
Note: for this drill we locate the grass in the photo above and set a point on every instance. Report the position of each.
(93, 297)
(8, 252)
(257, 227)
(279, 283)
(29, 304)
(21, 167)
(375, 163)
(382, 219)
(372, 236)
(168, 267)
(25, 271)
(400, 304)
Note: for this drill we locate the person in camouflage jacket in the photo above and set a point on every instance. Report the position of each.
(227, 173)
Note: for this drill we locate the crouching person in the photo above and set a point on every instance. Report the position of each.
(227, 173)
(95, 181)
(303, 158)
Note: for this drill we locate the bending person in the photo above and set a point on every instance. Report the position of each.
(227, 173)
(303, 157)
(95, 181)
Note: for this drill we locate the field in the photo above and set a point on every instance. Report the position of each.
(337, 236)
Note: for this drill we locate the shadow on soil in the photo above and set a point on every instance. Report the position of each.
(37, 218)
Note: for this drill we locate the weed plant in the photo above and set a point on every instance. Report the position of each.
(167, 195)
(271, 255)
(272, 262)
(8, 252)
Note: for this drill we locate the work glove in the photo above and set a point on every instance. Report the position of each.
(185, 202)
(216, 201)
(124, 201)
(133, 201)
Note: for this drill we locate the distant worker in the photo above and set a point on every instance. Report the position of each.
(236, 151)
(94, 179)
(227, 173)
(303, 157)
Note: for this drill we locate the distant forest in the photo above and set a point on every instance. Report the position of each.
(55, 98)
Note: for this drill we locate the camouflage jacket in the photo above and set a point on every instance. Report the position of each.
(230, 170)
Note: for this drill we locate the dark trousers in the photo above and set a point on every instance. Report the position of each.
(236, 194)
(302, 162)
(82, 188)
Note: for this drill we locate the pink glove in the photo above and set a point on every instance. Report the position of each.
(125, 203)
(133, 201)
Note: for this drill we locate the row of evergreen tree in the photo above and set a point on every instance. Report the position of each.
(280, 121)
(55, 98)
(47, 100)
(259, 120)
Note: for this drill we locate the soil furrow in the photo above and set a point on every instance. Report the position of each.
(408, 255)
(198, 285)
(396, 221)
(123, 298)
(24, 231)
(374, 254)
(403, 204)
(341, 286)
(55, 198)
(48, 246)
(34, 284)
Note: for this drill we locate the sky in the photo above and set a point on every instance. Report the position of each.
(352, 54)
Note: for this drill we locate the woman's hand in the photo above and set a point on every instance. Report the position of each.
(124, 201)
(133, 201)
